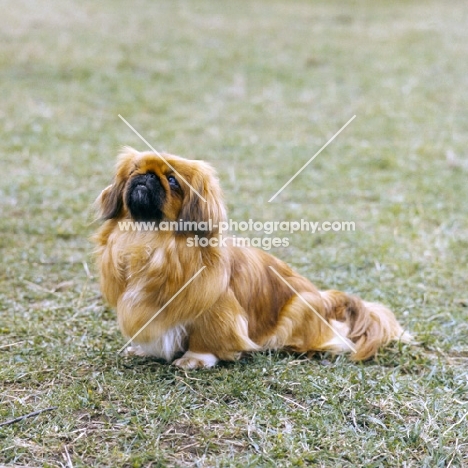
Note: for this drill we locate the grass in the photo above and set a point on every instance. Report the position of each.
(256, 88)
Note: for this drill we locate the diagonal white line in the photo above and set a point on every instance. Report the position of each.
(161, 309)
(342, 338)
(311, 159)
(160, 155)
(70, 464)
(456, 424)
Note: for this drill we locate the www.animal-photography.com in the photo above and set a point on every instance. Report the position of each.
(234, 234)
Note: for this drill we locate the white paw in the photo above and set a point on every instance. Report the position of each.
(134, 350)
(192, 360)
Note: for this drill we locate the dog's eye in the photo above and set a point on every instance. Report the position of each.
(172, 181)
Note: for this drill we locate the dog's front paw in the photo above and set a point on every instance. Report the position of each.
(134, 350)
(191, 360)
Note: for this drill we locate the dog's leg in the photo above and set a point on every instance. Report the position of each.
(219, 333)
(303, 326)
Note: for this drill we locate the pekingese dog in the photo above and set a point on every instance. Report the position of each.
(210, 301)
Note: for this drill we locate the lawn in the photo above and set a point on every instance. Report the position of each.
(255, 88)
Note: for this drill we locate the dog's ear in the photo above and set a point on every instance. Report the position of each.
(205, 206)
(109, 204)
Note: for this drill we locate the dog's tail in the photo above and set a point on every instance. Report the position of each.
(360, 326)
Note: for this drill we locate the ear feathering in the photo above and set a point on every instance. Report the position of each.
(195, 209)
(109, 203)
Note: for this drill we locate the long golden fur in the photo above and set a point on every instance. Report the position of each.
(237, 303)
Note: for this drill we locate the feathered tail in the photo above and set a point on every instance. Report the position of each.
(367, 325)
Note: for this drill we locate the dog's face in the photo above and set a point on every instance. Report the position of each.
(150, 188)
(152, 191)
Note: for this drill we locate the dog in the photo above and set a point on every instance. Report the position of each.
(195, 305)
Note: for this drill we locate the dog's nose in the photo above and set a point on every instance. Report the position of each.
(152, 179)
(148, 179)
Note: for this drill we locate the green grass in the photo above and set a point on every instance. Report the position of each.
(255, 88)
